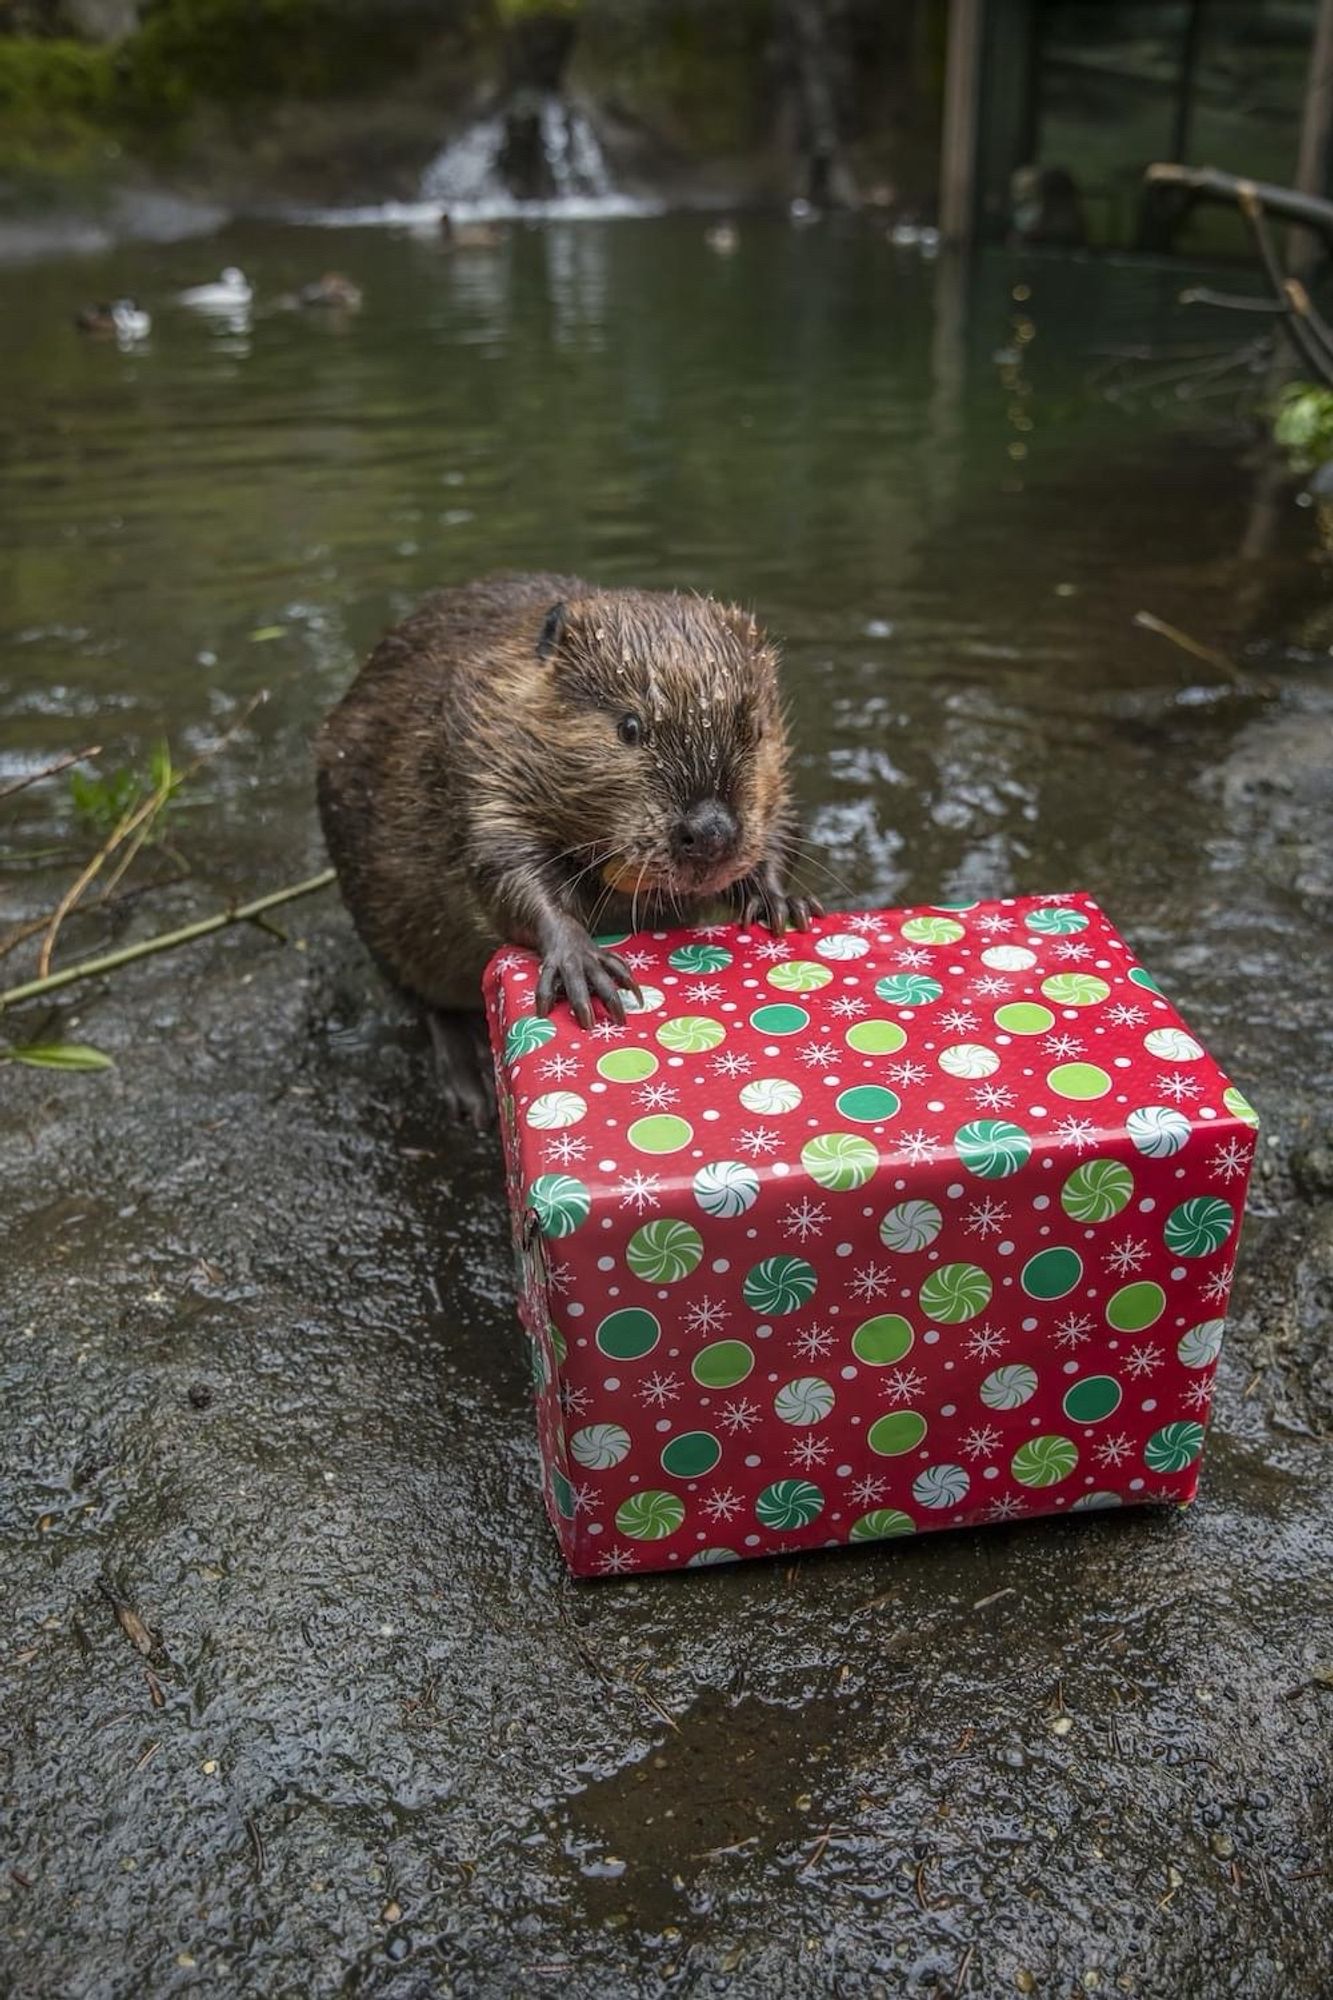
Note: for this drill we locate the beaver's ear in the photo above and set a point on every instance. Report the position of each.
(553, 631)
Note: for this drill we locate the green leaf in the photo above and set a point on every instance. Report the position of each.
(263, 632)
(60, 1055)
(160, 768)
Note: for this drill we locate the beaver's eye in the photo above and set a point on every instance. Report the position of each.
(629, 729)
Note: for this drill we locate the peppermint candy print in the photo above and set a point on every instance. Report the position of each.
(919, 1219)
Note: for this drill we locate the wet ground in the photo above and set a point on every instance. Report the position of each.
(262, 1382)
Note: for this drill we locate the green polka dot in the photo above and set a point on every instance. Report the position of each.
(1145, 979)
(627, 1065)
(1078, 1080)
(722, 1365)
(779, 1019)
(882, 1340)
(880, 1524)
(660, 1134)
(1024, 1017)
(932, 930)
(1075, 989)
(691, 1454)
(900, 1431)
(691, 1034)
(1052, 1273)
(1095, 1397)
(1134, 1307)
(1239, 1106)
(650, 1516)
(799, 975)
(876, 1038)
(1044, 1461)
(629, 1334)
(564, 1494)
(867, 1103)
(609, 939)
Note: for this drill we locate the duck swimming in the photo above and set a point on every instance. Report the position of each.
(121, 319)
(470, 235)
(228, 292)
(334, 290)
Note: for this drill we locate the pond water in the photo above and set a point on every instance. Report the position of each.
(259, 1357)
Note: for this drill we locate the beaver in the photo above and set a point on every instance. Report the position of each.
(531, 758)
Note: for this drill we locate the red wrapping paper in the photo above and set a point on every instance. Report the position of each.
(920, 1219)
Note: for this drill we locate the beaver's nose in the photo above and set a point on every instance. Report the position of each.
(706, 832)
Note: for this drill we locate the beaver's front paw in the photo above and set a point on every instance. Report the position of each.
(573, 965)
(763, 896)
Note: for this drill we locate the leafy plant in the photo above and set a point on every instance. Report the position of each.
(1303, 424)
(102, 799)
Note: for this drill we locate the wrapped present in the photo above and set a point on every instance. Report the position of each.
(919, 1219)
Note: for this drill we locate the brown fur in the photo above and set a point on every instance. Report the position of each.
(473, 784)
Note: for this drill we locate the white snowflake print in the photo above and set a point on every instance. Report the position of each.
(982, 1441)
(1123, 1015)
(987, 1217)
(1062, 1047)
(640, 1192)
(573, 1401)
(991, 987)
(703, 992)
(584, 1499)
(866, 922)
(1073, 948)
(1199, 1395)
(657, 1096)
(868, 1492)
(1114, 1450)
(1217, 1288)
(848, 1006)
(814, 1343)
(1230, 1160)
(1057, 896)
(870, 1281)
(710, 930)
(615, 1562)
(732, 1062)
(993, 1096)
(958, 1021)
(1143, 1360)
(566, 1149)
(1126, 1256)
(1006, 1509)
(558, 1277)
(772, 949)
(508, 961)
(705, 1317)
(913, 956)
(903, 1384)
(919, 1145)
(1073, 1330)
(986, 1343)
(659, 1390)
(995, 925)
(758, 1140)
(638, 961)
(557, 1068)
(905, 1074)
(1080, 1133)
(817, 1055)
(1180, 1088)
(608, 1031)
(805, 1219)
(739, 1415)
(723, 1505)
(810, 1452)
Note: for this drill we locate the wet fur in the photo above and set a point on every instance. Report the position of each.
(472, 783)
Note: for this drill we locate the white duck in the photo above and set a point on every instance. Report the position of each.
(230, 292)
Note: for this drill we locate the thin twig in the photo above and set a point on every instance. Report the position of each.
(1211, 184)
(50, 770)
(89, 968)
(1195, 647)
(1303, 336)
(1204, 295)
(109, 895)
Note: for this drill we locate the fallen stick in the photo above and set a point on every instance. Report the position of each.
(1213, 185)
(50, 770)
(89, 968)
(1209, 654)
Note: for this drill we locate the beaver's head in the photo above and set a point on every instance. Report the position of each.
(667, 739)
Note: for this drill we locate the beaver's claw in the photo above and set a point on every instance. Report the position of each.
(778, 909)
(573, 965)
